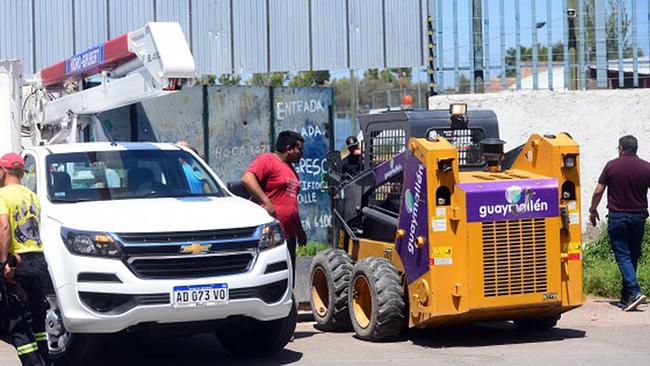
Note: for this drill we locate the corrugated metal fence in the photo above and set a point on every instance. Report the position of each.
(226, 36)
(229, 126)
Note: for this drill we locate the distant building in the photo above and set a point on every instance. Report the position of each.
(643, 71)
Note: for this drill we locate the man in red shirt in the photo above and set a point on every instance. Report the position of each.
(274, 184)
(627, 179)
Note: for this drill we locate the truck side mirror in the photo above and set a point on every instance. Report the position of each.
(237, 188)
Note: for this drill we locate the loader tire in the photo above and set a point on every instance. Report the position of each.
(329, 283)
(376, 300)
(538, 324)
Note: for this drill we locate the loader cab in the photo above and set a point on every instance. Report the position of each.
(386, 135)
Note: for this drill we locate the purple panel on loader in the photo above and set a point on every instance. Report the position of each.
(511, 200)
(414, 219)
(389, 168)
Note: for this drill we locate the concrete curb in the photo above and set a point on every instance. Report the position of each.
(301, 287)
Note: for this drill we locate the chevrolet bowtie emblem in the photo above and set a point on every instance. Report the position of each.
(195, 249)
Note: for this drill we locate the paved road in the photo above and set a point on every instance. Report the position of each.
(597, 334)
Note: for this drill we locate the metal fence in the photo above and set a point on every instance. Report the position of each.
(494, 45)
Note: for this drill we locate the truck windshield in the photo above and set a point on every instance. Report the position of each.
(114, 175)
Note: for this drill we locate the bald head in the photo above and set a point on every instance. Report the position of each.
(184, 144)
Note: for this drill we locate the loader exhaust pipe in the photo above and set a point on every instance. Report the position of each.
(492, 151)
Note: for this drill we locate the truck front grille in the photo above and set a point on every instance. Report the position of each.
(514, 257)
(190, 266)
(187, 236)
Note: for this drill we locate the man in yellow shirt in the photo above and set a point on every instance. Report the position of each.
(20, 240)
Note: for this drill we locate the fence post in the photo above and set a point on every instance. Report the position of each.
(205, 117)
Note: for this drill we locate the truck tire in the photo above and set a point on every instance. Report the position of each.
(82, 349)
(254, 338)
(538, 324)
(329, 281)
(68, 349)
(376, 300)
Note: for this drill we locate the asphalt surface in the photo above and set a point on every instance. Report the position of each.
(598, 333)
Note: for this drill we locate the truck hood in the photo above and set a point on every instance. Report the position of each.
(159, 214)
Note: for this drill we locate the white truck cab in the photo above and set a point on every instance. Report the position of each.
(131, 239)
(139, 236)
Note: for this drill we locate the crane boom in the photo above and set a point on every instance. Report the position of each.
(149, 62)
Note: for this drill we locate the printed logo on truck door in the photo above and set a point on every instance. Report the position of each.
(413, 219)
(511, 200)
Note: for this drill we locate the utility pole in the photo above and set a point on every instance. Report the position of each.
(572, 13)
(477, 25)
(353, 101)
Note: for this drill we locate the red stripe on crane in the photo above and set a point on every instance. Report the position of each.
(89, 62)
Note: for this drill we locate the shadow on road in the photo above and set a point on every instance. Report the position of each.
(487, 334)
(197, 350)
(614, 303)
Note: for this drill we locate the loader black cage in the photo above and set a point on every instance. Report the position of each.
(369, 207)
(386, 134)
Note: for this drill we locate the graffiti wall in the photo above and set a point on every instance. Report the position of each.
(230, 126)
(307, 111)
(239, 128)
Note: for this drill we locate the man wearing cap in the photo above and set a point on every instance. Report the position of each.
(21, 246)
(352, 163)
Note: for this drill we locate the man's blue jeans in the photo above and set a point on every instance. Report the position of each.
(625, 232)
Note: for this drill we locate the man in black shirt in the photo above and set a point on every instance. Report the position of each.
(627, 179)
(352, 163)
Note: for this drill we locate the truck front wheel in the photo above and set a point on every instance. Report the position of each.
(251, 337)
(70, 349)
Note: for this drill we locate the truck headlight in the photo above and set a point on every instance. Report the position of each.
(90, 243)
(272, 236)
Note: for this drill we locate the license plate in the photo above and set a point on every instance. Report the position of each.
(200, 295)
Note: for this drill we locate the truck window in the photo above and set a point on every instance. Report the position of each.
(112, 175)
(29, 178)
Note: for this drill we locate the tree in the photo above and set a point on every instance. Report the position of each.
(206, 79)
(388, 75)
(611, 29)
(268, 79)
(463, 86)
(557, 50)
(342, 93)
(310, 78)
(229, 80)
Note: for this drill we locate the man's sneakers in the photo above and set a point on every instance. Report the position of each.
(634, 301)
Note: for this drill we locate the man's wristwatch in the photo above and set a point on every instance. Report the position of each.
(592, 210)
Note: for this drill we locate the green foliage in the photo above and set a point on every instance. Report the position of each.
(311, 249)
(611, 29)
(526, 56)
(310, 78)
(601, 274)
(268, 79)
(206, 79)
(229, 80)
(375, 87)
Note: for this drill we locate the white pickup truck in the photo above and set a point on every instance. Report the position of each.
(144, 236)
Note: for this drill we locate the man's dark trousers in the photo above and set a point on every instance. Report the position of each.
(29, 335)
(625, 230)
